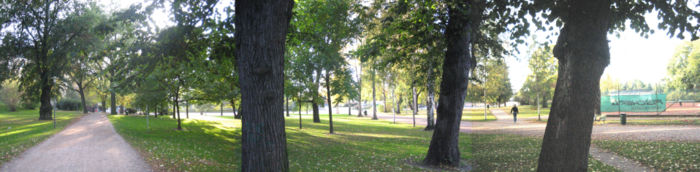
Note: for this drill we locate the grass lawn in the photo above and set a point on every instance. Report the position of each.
(21, 130)
(474, 115)
(359, 144)
(477, 115)
(662, 155)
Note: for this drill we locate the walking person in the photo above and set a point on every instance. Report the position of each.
(514, 111)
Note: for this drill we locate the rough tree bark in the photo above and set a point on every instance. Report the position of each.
(429, 103)
(583, 53)
(328, 97)
(261, 28)
(444, 148)
(45, 108)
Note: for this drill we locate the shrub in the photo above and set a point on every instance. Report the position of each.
(69, 104)
(10, 95)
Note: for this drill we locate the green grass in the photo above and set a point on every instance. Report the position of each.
(21, 130)
(504, 152)
(662, 155)
(473, 115)
(359, 144)
(477, 115)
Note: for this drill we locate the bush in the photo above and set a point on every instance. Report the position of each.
(69, 104)
(10, 95)
(130, 110)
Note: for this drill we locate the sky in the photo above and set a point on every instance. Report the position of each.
(632, 57)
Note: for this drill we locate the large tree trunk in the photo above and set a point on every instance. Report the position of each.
(429, 103)
(328, 96)
(314, 108)
(45, 108)
(104, 104)
(113, 103)
(444, 149)
(261, 29)
(374, 96)
(583, 53)
(81, 91)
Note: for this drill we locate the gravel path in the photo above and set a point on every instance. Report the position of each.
(91, 144)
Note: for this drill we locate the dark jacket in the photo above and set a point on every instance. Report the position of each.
(514, 109)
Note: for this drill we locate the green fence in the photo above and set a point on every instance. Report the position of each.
(633, 103)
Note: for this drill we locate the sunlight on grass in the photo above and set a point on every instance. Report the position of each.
(360, 144)
(21, 130)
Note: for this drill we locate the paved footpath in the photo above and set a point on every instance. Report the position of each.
(90, 144)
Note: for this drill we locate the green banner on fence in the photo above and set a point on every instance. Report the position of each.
(633, 103)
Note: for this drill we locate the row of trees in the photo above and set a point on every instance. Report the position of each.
(258, 53)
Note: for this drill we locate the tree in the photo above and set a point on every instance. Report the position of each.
(42, 33)
(261, 28)
(443, 148)
(684, 70)
(540, 83)
(583, 53)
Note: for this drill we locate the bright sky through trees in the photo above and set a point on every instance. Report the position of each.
(632, 57)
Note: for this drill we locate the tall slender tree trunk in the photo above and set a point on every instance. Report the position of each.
(398, 103)
(113, 103)
(261, 29)
(187, 109)
(429, 102)
(349, 109)
(81, 91)
(415, 106)
(583, 53)
(374, 96)
(359, 98)
(386, 109)
(233, 108)
(177, 111)
(221, 108)
(328, 96)
(314, 99)
(444, 145)
(286, 104)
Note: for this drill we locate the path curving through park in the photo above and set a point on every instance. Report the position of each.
(90, 144)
